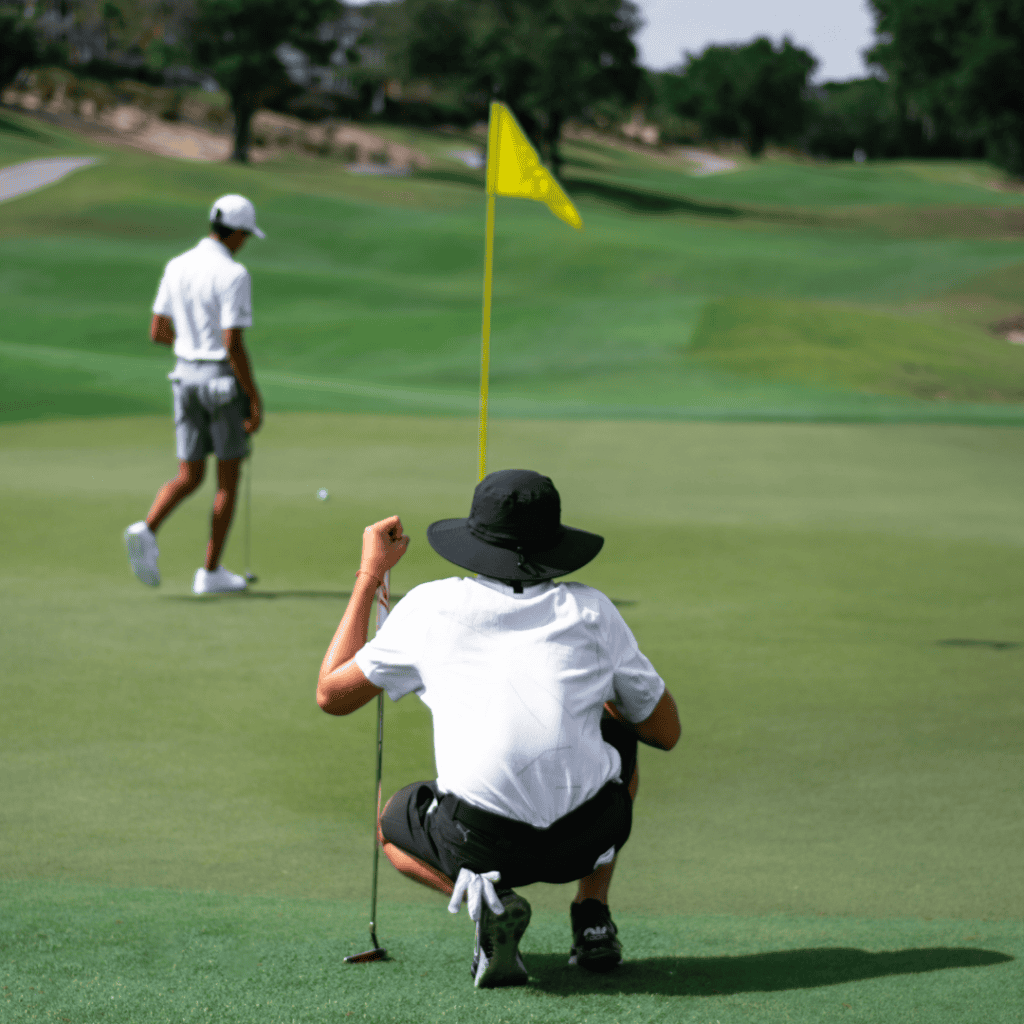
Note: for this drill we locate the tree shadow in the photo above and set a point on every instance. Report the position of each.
(758, 972)
(640, 200)
(13, 128)
(451, 177)
(994, 645)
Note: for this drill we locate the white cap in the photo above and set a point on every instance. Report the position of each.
(234, 211)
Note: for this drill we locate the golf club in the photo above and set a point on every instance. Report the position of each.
(377, 952)
(250, 576)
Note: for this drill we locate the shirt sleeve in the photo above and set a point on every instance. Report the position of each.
(236, 303)
(638, 687)
(162, 304)
(390, 659)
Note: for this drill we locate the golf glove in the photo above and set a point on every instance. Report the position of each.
(476, 888)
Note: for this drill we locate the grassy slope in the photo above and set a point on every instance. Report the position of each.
(359, 274)
(839, 757)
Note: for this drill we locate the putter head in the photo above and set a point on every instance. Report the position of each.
(251, 577)
(368, 957)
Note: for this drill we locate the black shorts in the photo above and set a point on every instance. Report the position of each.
(455, 834)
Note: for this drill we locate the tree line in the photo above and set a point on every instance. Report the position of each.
(946, 73)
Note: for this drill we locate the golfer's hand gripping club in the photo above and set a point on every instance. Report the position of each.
(341, 687)
(384, 543)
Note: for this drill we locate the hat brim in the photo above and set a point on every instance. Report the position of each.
(452, 540)
(256, 231)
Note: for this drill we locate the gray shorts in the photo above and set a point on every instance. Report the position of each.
(209, 410)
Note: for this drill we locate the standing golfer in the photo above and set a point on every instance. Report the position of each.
(539, 694)
(203, 304)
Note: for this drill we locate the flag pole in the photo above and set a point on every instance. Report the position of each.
(485, 348)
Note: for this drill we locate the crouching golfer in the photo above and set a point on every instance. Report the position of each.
(539, 694)
(203, 303)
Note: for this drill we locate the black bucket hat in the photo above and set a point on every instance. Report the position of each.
(514, 531)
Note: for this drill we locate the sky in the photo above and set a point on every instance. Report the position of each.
(835, 31)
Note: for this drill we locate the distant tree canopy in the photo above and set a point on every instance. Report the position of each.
(17, 45)
(959, 65)
(847, 116)
(236, 40)
(549, 60)
(753, 92)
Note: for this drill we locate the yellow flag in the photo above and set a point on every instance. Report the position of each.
(514, 169)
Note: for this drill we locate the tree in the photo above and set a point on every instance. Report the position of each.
(549, 60)
(753, 92)
(236, 40)
(17, 45)
(859, 114)
(959, 64)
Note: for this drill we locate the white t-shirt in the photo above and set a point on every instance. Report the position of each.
(516, 684)
(204, 291)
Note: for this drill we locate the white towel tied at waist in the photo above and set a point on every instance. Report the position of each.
(475, 889)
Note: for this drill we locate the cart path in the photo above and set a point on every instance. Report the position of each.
(18, 179)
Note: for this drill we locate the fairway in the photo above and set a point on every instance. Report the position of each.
(872, 308)
(774, 392)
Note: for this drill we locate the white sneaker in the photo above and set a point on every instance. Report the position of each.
(143, 553)
(219, 581)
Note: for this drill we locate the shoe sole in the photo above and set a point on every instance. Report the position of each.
(600, 961)
(137, 558)
(505, 967)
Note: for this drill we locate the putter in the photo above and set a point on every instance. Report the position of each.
(250, 576)
(377, 952)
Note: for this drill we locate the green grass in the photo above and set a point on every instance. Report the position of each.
(368, 291)
(836, 605)
(89, 953)
(837, 609)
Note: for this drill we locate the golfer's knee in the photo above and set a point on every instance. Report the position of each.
(190, 475)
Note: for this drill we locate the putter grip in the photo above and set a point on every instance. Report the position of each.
(383, 600)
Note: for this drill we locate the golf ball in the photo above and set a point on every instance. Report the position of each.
(322, 494)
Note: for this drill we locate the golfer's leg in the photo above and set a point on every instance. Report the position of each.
(223, 509)
(418, 870)
(190, 476)
(412, 867)
(596, 885)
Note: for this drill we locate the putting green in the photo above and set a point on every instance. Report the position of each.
(836, 608)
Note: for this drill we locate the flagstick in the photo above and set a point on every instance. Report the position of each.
(485, 351)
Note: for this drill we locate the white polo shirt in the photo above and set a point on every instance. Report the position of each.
(516, 685)
(204, 291)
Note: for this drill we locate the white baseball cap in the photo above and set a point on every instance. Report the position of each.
(234, 211)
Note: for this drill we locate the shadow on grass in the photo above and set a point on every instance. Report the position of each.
(759, 972)
(993, 645)
(638, 200)
(13, 128)
(452, 177)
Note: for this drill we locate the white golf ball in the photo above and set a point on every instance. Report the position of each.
(322, 494)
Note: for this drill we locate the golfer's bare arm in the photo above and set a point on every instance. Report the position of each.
(341, 687)
(161, 330)
(239, 359)
(660, 728)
